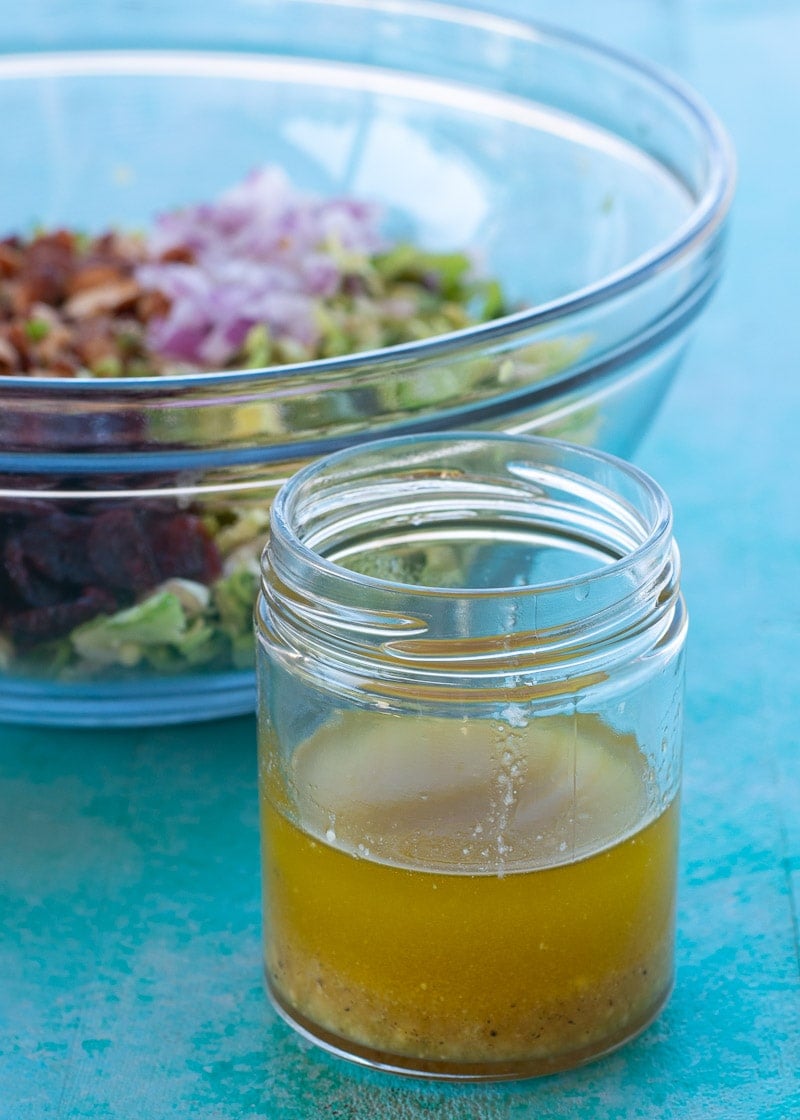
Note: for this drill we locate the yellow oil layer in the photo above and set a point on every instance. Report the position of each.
(469, 893)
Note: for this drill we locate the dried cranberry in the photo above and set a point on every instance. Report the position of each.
(8, 595)
(56, 546)
(44, 623)
(184, 548)
(25, 584)
(120, 551)
(20, 507)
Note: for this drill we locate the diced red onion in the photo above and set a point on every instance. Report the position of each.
(263, 254)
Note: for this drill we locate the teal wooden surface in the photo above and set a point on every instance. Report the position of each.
(130, 974)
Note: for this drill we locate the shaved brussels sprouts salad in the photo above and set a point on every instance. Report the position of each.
(262, 276)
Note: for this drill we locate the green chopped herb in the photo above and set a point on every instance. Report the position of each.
(36, 329)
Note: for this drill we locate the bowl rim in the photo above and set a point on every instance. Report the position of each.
(707, 214)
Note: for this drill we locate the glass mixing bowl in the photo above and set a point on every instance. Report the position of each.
(132, 511)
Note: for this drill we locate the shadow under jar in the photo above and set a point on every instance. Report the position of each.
(470, 678)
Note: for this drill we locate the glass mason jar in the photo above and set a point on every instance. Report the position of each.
(470, 662)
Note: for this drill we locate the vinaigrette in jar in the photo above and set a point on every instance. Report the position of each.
(468, 897)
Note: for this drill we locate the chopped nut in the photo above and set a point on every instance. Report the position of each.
(9, 358)
(10, 260)
(90, 276)
(102, 298)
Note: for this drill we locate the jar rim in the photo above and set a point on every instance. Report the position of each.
(409, 636)
(284, 508)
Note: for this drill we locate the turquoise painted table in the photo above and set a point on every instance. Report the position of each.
(130, 974)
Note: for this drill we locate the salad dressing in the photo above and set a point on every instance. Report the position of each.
(476, 896)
